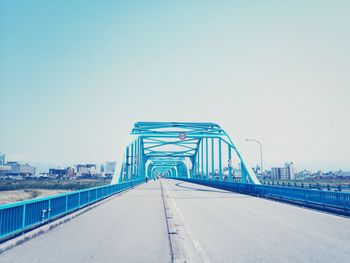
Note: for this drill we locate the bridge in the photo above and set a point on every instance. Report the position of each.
(202, 202)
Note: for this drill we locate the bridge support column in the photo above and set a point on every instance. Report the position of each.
(132, 161)
(207, 158)
(202, 158)
(220, 164)
(127, 163)
(243, 173)
(230, 175)
(212, 160)
(197, 164)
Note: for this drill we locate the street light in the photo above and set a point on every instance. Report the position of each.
(261, 160)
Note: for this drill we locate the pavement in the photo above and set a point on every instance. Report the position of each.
(231, 227)
(128, 228)
(156, 221)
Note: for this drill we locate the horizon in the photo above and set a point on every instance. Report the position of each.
(44, 167)
(75, 76)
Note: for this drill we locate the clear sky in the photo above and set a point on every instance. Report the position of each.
(75, 76)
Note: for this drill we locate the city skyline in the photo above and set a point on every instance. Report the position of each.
(44, 167)
(75, 77)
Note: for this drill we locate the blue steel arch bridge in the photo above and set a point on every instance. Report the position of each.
(201, 150)
(210, 207)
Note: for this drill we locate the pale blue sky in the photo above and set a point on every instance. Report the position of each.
(75, 76)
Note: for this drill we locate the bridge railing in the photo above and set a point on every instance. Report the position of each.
(21, 216)
(324, 200)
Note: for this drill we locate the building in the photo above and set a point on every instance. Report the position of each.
(58, 172)
(87, 170)
(291, 170)
(4, 169)
(70, 172)
(91, 166)
(15, 168)
(283, 173)
(2, 159)
(110, 168)
(21, 169)
(82, 170)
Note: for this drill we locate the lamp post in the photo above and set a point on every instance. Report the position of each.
(261, 159)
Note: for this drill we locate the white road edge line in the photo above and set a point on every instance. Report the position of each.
(194, 240)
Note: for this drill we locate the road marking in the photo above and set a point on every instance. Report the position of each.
(167, 223)
(185, 245)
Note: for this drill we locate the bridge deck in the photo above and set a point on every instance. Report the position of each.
(232, 227)
(227, 226)
(128, 228)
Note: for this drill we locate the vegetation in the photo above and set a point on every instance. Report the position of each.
(52, 184)
(21, 195)
(33, 193)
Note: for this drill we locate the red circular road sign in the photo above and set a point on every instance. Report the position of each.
(182, 136)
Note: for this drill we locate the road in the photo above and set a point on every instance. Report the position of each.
(222, 227)
(232, 227)
(128, 228)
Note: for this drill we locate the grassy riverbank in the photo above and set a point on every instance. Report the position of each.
(19, 190)
(21, 195)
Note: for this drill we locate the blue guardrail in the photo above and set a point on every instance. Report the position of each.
(21, 216)
(336, 202)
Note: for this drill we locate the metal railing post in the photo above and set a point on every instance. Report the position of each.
(24, 216)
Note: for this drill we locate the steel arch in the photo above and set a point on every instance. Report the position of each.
(193, 149)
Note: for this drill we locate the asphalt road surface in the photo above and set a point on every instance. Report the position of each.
(223, 227)
(232, 227)
(128, 228)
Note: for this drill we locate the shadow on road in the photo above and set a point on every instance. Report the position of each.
(189, 188)
(202, 190)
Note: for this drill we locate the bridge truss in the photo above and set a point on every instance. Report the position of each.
(185, 150)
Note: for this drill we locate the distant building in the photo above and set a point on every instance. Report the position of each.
(94, 172)
(291, 170)
(283, 173)
(58, 172)
(4, 170)
(2, 159)
(110, 167)
(102, 168)
(91, 166)
(86, 170)
(236, 174)
(21, 169)
(70, 172)
(82, 170)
